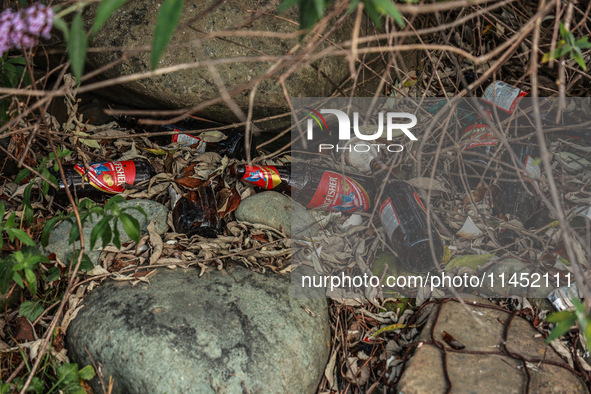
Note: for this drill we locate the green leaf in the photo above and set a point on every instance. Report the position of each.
(31, 280)
(107, 235)
(583, 43)
(115, 200)
(311, 11)
(116, 237)
(578, 56)
(19, 281)
(27, 207)
(2, 211)
(566, 34)
(168, 19)
(18, 60)
(561, 328)
(31, 310)
(287, 4)
(74, 234)
(53, 274)
(86, 373)
(5, 275)
(22, 236)
(470, 261)
(98, 231)
(67, 373)
(48, 228)
(392, 327)
(558, 316)
(387, 7)
(86, 264)
(77, 46)
(105, 10)
(131, 226)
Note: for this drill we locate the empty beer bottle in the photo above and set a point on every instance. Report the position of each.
(102, 179)
(232, 146)
(404, 218)
(312, 186)
(196, 213)
(476, 155)
(517, 196)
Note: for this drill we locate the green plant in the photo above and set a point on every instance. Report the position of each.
(566, 319)
(19, 266)
(311, 11)
(568, 45)
(11, 72)
(69, 378)
(43, 169)
(106, 229)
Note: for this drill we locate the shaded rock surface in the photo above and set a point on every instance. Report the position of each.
(481, 329)
(58, 240)
(229, 332)
(277, 210)
(132, 27)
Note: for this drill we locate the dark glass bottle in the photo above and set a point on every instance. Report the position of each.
(232, 146)
(196, 213)
(102, 179)
(404, 218)
(312, 186)
(517, 196)
(476, 155)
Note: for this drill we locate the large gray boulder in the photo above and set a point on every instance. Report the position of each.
(132, 27)
(229, 332)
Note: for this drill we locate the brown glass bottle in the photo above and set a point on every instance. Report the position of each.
(514, 195)
(102, 179)
(232, 146)
(476, 155)
(315, 187)
(196, 213)
(404, 218)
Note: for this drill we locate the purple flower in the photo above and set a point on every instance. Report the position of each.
(22, 29)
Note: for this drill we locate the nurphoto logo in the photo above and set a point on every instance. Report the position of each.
(316, 120)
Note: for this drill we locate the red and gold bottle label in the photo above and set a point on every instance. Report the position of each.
(109, 177)
(478, 133)
(339, 193)
(266, 177)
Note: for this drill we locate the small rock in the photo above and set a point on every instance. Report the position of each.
(58, 240)
(510, 270)
(481, 329)
(278, 211)
(230, 332)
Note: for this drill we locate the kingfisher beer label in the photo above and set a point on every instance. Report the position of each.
(389, 217)
(503, 96)
(339, 193)
(109, 177)
(266, 177)
(478, 133)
